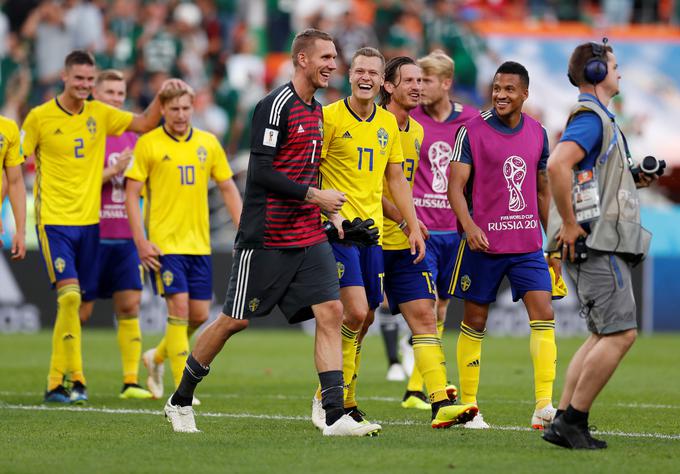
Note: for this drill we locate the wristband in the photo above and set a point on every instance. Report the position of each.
(403, 225)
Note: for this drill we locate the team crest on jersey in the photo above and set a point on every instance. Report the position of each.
(383, 138)
(91, 126)
(60, 265)
(202, 154)
(168, 277)
(253, 304)
(321, 128)
(465, 282)
(416, 143)
(341, 270)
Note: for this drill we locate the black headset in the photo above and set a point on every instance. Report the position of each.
(596, 68)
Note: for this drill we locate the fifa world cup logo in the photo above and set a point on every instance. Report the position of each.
(515, 170)
(439, 155)
(117, 181)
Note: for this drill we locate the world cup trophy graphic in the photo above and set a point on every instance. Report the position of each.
(439, 155)
(515, 170)
(117, 181)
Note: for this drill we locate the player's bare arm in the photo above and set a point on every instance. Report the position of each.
(121, 165)
(17, 198)
(144, 122)
(560, 165)
(148, 251)
(391, 212)
(459, 174)
(328, 200)
(403, 199)
(232, 199)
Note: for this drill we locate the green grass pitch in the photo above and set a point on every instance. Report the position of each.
(256, 405)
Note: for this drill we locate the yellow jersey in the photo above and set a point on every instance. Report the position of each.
(69, 154)
(355, 155)
(411, 139)
(176, 172)
(9, 147)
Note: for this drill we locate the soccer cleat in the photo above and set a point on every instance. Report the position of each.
(58, 395)
(550, 436)
(155, 379)
(407, 358)
(134, 391)
(78, 393)
(452, 392)
(477, 423)
(348, 426)
(182, 418)
(542, 417)
(575, 436)
(450, 414)
(415, 400)
(318, 414)
(359, 416)
(396, 373)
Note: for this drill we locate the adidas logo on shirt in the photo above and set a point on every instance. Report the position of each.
(474, 363)
(166, 158)
(300, 129)
(347, 135)
(58, 132)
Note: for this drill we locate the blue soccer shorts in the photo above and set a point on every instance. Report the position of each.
(184, 274)
(361, 266)
(71, 251)
(478, 275)
(119, 268)
(404, 280)
(442, 249)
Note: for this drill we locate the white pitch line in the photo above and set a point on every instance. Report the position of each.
(137, 411)
(373, 399)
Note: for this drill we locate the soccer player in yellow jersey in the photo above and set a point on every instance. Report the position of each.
(361, 148)
(409, 286)
(10, 164)
(67, 135)
(175, 162)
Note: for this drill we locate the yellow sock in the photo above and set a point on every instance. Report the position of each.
(429, 357)
(64, 334)
(162, 348)
(130, 344)
(440, 333)
(469, 354)
(351, 397)
(415, 381)
(177, 346)
(544, 356)
(349, 355)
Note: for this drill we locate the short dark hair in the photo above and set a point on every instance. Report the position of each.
(305, 39)
(393, 75)
(511, 67)
(79, 57)
(577, 62)
(369, 52)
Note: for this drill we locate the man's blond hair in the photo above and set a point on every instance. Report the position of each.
(169, 94)
(109, 75)
(437, 63)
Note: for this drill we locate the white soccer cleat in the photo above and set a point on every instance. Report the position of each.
(396, 373)
(182, 418)
(318, 414)
(477, 423)
(407, 357)
(543, 417)
(347, 426)
(154, 382)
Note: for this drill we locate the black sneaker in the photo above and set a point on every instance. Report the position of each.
(356, 414)
(575, 436)
(58, 395)
(551, 436)
(78, 393)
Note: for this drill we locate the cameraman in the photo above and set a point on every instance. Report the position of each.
(592, 162)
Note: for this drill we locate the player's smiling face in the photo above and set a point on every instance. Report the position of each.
(111, 92)
(434, 89)
(508, 94)
(406, 92)
(321, 62)
(366, 76)
(177, 113)
(79, 81)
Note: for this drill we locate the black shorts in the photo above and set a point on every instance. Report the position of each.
(294, 279)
